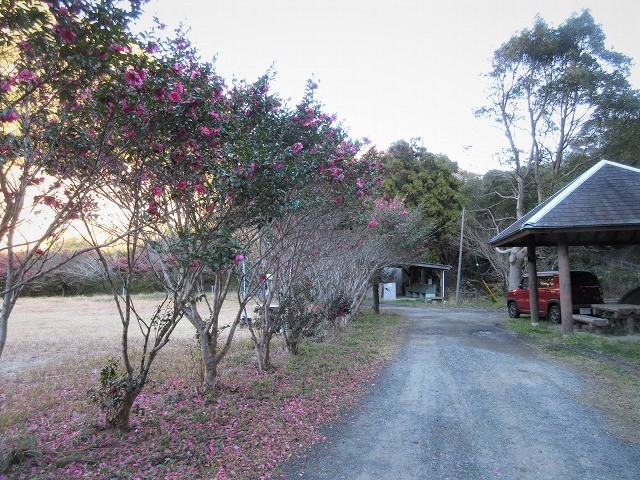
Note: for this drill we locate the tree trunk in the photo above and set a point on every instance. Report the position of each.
(4, 323)
(119, 419)
(267, 350)
(376, 298)
(517, 256)
(208, 347)
(520, 211)
(259, 348)
(263, 351)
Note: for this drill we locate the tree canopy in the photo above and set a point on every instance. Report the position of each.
(428, 182)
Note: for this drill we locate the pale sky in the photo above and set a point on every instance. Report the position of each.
(390, 69)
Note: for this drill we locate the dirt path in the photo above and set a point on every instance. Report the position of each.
(467, 400)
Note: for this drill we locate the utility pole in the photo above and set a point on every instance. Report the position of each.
(460, 257)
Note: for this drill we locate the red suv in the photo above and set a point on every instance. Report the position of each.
(585, 290)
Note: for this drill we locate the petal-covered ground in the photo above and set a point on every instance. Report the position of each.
(51, 429)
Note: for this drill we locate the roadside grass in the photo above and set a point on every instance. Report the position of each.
(609, 365)
(50, 429)
(582, 343)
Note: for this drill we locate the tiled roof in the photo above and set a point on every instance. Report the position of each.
(602, 206)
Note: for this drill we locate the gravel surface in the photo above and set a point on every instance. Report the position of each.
(466, 399)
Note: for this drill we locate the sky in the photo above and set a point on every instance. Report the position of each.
(390, 69)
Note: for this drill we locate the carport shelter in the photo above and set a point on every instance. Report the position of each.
(600, 207)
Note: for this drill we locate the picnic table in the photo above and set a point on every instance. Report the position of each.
(622, 312)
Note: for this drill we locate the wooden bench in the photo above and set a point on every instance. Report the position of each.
(417, 290)
(594, 324)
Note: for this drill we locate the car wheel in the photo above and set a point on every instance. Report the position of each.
(554, 314)
(513, 310)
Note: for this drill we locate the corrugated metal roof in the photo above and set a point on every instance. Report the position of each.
(601, 207)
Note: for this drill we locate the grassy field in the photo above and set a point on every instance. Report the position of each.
(49, 428)
(610, 366)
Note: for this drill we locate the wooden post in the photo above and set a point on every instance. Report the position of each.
(376, 297)
(533, 280)
(566, 302)
(460, 257)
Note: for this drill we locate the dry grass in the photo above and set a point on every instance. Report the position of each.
(47, 335)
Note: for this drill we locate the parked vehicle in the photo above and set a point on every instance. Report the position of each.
(585, 290)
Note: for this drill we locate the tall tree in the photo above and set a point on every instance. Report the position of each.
(546, 86)
(427, 182)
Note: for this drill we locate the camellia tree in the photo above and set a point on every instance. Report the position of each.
(280, 263)
(158, 122)
(276, 153)
(50, 54)
(387, 233)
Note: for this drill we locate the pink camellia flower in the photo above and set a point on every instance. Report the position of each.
(65, 34)
(195, 263)
(174, 96)
(10, 116)
(153, 208)
(158, 147)
(373, 223)
(25, 75)
(214, 115)
(159, 94)
(25, 46)
(405, 213)
(182, 185)
(155, 191)
(336, 173)
(296, 147)
(152, 47)
(207, 132)
(116, 47)
(7, 85)
(38, 251)
(210, 208)
(239, 259)
(339, 200)
(200, 189)
(133, 78)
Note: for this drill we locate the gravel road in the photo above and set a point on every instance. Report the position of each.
(467, 400)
